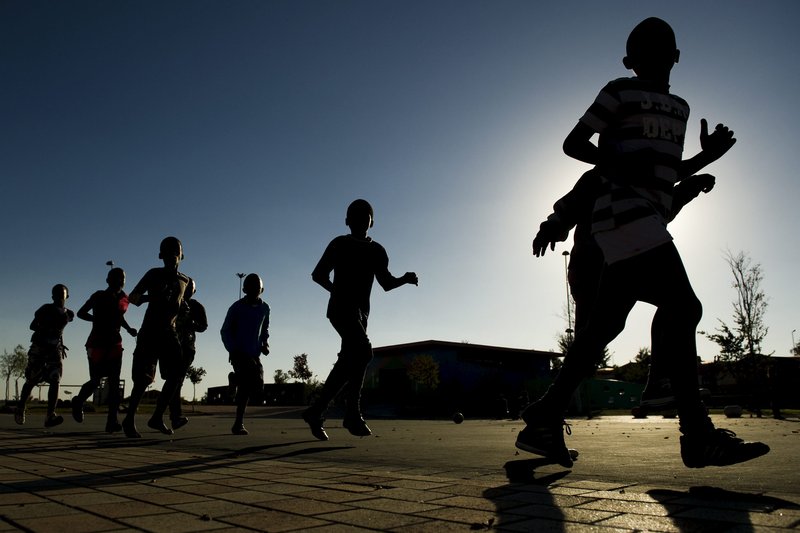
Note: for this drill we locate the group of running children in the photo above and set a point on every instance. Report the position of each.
(622, 254)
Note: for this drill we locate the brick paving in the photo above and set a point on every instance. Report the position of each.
(74, 479)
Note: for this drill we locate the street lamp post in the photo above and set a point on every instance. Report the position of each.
(793, 344)
(240, 275)
(569, 307)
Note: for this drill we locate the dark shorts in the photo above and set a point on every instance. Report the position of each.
(104, 362)
(44, 364)
(156, 347)
(249, 371)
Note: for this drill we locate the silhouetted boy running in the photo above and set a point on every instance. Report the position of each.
(574, 210)
(46, 354)
(162, 288)
(191, 321)
(104, 345)
(355, 260)
(641, 128)
(245, 334)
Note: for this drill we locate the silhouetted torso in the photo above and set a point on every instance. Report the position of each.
(48, 324)
(354, 263)
(164, 288)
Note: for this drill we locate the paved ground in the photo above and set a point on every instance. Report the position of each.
(409, 476)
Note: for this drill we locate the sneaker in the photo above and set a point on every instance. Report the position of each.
(158, 425)
(657, 395)
(113, 426)
(718, 447)
(239, 429)
(77, 409)
(356, 426)
(547, 441)
(53, 420)
(129, 427)
(315, 424)
(179, 422)
(19, 415)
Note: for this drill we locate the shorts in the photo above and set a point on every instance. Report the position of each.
(156, 347)
(249, 371)
(104, 362)
(44, 364)
(102, 355)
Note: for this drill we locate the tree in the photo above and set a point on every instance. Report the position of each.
(195, 375)
(740, 344)
(637, 370)
(300, 370)
(424, 370)
(280, 377)
(744, 339)
(12, 365)
(796, 350)
(643, 356)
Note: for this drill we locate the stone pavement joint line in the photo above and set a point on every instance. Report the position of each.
(70, 483)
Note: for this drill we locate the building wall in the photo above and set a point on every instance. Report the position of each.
(477, 380)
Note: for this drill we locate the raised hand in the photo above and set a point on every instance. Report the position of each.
(717, 143)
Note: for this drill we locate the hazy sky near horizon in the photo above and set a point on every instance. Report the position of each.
(245, 128)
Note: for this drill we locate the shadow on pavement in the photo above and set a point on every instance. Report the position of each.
(722, 508)
(70, 474)
(525, 503)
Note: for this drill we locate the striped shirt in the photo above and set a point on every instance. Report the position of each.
(641, 128)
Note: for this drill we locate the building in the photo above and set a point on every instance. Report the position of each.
(434, 378)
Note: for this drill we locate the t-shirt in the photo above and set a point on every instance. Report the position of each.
(164, 288)
(246, 327)
(48, 324)
(108, 310)
(354, 262)
(642, 128)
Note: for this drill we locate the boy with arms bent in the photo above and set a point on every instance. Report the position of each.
(355, 260)
(641, 129)
(46, 354)
(162, 288)
(104, 345)
(245, 334)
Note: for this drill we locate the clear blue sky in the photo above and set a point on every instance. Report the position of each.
(245, 128)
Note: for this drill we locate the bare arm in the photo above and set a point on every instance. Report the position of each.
(137, 296)
(83, 312)
(324, 280)
(389, 282)
(687, 190)
(322, 272)
(713, 146)
(132, 331)
(578, 145)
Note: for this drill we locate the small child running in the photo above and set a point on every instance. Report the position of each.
(355, 260)
(162, 288)
(46, 354)
(104, 345)
(245, 334)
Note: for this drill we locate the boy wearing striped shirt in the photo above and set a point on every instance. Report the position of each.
(641, 128)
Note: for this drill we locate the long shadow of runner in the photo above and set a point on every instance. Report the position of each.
(103, 441)
(714, 509)
(63, 478)
(526, 503)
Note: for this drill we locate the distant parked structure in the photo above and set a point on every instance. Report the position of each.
(474, 379)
